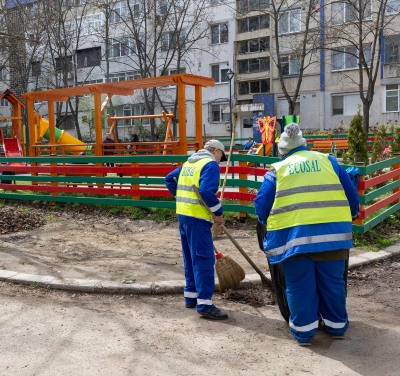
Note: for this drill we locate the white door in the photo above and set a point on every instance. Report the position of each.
(247, 129)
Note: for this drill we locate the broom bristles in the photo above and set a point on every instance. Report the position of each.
(229, 273)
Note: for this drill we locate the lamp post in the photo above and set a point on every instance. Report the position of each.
(230, 75)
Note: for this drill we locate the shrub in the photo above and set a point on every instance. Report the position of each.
(378, 151)
(357, 140)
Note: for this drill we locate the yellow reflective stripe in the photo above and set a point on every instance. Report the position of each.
(310, 197)
(308, 217)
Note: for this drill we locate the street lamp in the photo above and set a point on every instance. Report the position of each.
(230, 75)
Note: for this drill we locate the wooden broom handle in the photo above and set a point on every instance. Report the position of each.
(264, 279)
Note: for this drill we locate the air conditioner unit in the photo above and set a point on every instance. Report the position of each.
(70, 76)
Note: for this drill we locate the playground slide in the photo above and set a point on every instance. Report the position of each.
(12, 149)
(63, 138)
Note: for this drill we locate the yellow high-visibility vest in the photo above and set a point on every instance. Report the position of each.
(308, 191)
(187, 202)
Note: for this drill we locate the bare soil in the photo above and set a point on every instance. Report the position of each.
(96, 244)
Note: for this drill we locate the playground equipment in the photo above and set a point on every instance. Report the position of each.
(71, 144)
(14, 146)
(124, 88)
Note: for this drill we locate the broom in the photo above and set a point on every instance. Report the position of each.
(265, 281)
(217, 229)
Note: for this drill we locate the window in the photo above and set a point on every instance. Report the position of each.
(247, 123)
(64, 64)
(3, 74)
(254, 87)
(89, 57)
(171, 72)
(253, 23)
(346, 104)
(218, 73)
(124, 76)
(3, 102)
(347, 58)
(254, 65)
(392, 49)
(90, 82)
(122, 47)
(215, 2)
(216, 112)
(67, 122)
(36, 69)
(392, 7)
(92, 24)
(121, 11)
(255, 45)
(289, 22)
(347, 12)
(219, 33)
(135, 110)
(290, 65)
(170, 41)
(392, 98)
(171, 6)
(249, 5)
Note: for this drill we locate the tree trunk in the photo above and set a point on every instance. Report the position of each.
(366, 109)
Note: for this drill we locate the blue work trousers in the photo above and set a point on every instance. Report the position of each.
(199, 260)
(312, 287)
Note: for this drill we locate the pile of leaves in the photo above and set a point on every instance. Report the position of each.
(14, 220)
(255, 296)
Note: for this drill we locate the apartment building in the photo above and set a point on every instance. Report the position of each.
(238, 35)
(330, 93)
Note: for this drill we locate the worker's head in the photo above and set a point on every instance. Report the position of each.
(217, 149)
(82, 153)
(249, 139)
(109, 136)
(133, 132)
(290, 139)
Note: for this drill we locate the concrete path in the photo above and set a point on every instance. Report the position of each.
(155, 287)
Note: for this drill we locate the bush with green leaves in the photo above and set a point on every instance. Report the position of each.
(357, 140)
(395, 144)
(378, 150)
(143, 133)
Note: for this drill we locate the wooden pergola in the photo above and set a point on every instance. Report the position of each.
(121, 88)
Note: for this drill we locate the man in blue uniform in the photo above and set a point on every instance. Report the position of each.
(201, 169)
(308, 202)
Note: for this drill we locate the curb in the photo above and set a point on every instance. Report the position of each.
(155, 288)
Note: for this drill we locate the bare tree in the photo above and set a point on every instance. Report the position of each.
(156, 38)
(354, 37)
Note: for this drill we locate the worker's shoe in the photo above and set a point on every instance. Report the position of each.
(213, 313)
(193, 305)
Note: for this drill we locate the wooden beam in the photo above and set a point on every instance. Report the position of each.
(182, 118)
(52, 133)
(142, 117)
(98, 123)
(31, 126)
(106, 101)
(198, 115)
(47, 97)
(111, 89)
(191, 79)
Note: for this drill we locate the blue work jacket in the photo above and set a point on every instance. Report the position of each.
(287, 236)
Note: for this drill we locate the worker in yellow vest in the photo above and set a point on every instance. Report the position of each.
(308, 203)
(195, 222)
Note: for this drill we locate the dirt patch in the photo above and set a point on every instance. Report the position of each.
(14, 220)
(256, 296)
(379, 281)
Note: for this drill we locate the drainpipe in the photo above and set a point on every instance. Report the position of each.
(322, 67)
